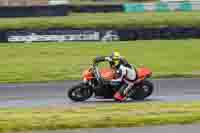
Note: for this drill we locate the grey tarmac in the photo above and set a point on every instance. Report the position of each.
(54, 93)
(194, 128)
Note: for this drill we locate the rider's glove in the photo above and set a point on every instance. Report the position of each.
(108, 59)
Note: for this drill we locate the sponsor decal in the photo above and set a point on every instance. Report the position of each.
(77, 35)
(110, 36)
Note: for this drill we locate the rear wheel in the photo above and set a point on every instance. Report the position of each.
(143, 90)
(80, 92)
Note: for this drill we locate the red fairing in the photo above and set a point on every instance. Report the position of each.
(143, 72)
(87, 74)
(107, 73)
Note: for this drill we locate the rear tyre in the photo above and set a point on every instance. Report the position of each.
(143, 90)
(80, 92)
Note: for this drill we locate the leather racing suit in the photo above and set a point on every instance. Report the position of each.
(127, 77)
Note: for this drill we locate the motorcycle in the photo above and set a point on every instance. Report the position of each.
(94, 83)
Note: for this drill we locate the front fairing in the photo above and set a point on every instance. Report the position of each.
(88, 75)
(107, 73)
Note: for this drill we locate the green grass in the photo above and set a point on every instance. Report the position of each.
(104, 115)
(106, 20)
(63, 61)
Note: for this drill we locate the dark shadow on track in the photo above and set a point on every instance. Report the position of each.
(108, 101)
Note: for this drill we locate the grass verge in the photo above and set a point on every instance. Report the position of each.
(105, 115)
(105, 20)
(65, 61)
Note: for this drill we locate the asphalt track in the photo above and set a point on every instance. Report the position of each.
(54, 93)
(149, 129)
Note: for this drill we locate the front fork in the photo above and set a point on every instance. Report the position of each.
(89, 83)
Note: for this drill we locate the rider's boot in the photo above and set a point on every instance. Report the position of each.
(123, 93)
(120, 95)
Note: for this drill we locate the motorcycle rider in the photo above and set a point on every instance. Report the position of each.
(126, 75)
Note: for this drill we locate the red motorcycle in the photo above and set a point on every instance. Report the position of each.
(93, 83)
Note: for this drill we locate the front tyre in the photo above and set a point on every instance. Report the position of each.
(142, 90)
(80, 92)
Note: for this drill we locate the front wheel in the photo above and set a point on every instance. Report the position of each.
(142, 90)
(80, 92)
